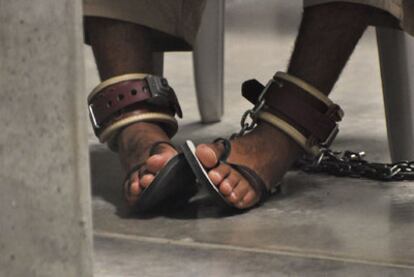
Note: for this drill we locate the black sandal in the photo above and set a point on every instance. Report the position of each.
(174, 183)
(203, 179)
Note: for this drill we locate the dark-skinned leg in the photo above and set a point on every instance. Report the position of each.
(120, 48)
(328, 35)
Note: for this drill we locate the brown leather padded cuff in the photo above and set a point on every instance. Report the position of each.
(310, 116)
(303, 114)
(114, 101)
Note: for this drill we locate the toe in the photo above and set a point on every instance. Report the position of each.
(218, 174)
(146, 180)
(132, 185)
(207, 154)
(248, 200)
(135, 188)
(240, 190)
(160, 158)
(226, 187)
(132, 189)
(156, 162)
(229, 183)
(242, 195)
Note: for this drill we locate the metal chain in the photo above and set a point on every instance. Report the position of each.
(251, 114)
(341, 164)
(246, 125)
(352, 164)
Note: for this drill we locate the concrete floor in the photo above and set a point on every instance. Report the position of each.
(318, 226)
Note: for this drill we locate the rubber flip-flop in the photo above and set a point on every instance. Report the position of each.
(175, 182)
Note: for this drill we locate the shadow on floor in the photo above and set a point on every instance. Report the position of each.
(107, 176)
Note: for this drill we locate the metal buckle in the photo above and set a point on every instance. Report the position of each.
(260, 100)
(92, 117)
(331, 137)
(159, 89)
(157, 86)
(264, 91)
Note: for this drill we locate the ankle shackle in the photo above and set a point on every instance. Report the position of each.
(118, 102)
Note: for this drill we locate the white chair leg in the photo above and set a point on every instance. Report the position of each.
(396, 54)
(208, 62)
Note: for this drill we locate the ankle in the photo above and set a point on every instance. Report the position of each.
(152, 131)
(135, 141)
(283, 140)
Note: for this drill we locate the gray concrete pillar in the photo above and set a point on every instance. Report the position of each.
(45, 207)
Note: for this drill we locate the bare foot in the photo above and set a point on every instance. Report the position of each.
(265, 150)
(135, 143)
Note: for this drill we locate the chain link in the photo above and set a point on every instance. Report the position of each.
(352, 164)
(340, 164)
(251, 115)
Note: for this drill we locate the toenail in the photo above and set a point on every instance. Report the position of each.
(209, 151)
(134, 188)
(225, 183)
(226, 186)
(154, 157)
(215, 174)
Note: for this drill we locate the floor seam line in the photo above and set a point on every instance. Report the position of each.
(206, 245)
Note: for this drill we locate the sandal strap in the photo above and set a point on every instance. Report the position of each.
(134, 169)
(152, 151)
(119, 98)
(254, 180)
(227, 149)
